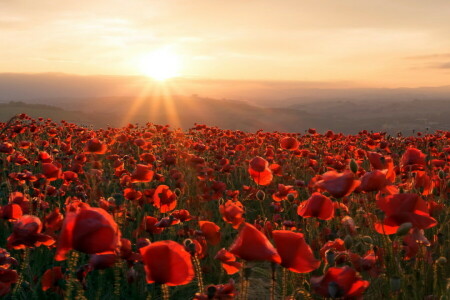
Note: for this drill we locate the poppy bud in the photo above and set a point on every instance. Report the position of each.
(441, 261)
(211, 291)
(353, 166)
(348, 242)
(260, 195)
(330, 256)
(290, 197)
(333, 289)
(441, 174)
(367, 239)
(396, 283)
(404, 228)
(177, 192)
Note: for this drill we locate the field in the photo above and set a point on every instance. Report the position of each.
(151, 212)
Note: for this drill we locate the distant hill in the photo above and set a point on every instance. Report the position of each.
(283, 106)
(183, 112)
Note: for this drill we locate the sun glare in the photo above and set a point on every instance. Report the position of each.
(161, 64)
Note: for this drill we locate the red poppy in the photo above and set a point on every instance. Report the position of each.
(142, 173)
(167, 262)
(403, 208)
(228, 261)
(259, 171)
(318, 206)
(232, 213)
(338, 184)
(283, 192)
(51, 171)
(89, 230)
(289, 143)
(252, 245)
(211, 232)
(149, 225)
(11, 211)
(131, 194)
(413, 156)
(7, 278)
(339, 283)
(50, 278)
(95, 146)
(296, 255)
(164, 199)
(27, 233)
(377, 181)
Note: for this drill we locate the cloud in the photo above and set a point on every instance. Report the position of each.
(432, 56)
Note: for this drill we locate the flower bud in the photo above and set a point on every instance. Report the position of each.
(260, 195)
(404, 228)
(367, 239)
(441, 261)
(353, 166)
(290, 197)
(348, 242)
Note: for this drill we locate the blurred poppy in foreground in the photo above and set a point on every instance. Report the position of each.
(252, 245)
(89, 230)
(339, 283)
(296, 255)
(167, 262)
(403, 208)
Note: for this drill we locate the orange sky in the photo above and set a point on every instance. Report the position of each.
(375, 42)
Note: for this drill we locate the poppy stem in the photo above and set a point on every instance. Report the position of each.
(71, 270)
(198, 273)
(284, 284)
(165, 292)
(272, 285)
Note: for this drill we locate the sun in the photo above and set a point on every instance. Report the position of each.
(161, 64)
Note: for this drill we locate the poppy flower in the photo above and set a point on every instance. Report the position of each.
(413, 156)
(167, 262)
(164, 199)
(296, 255)
(7, 278)
(377, 181)
(338, 184)
(318, 206)
(232, 213)
(289, 143)
(96, 147)
(11, 211)
(259, 171)
(27, 233)
(339, 283)
(89, 230)
(149, 225)
(228, 261)
(50, 278)
(283, 192)
(252, 245)
(142, 173)
(131, 194)
(211, 232)
(403, 208)
(51, 171)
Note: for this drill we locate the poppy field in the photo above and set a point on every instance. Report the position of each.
(152, 212)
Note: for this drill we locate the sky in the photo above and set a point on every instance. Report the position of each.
(377, 43)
